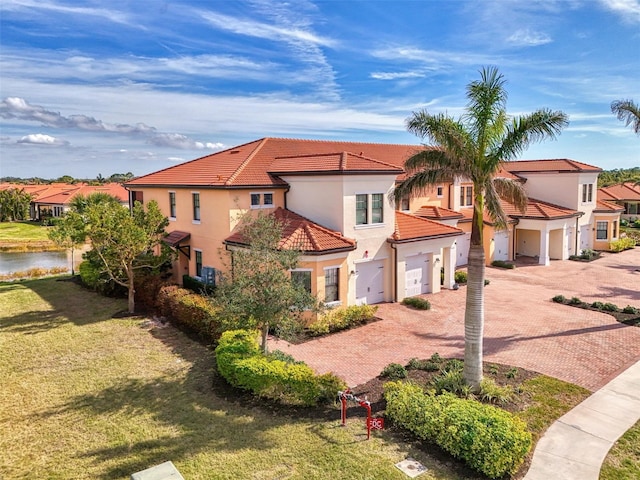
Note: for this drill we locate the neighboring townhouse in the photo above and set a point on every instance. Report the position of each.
(357, 246)
(53, 200)
(626, 195)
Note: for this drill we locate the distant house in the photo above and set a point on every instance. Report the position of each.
(627, 195)
(358, 247)
(52, 200)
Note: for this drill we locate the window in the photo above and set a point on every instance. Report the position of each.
(377, 206)
(136, 196)
(198, 263)
(439, 191)
(57, 211)
(614, 233)
(466, 196)
(331, 285)
(302, 277)
(601, 230)
(196, 206)
(404, 204)
(361, 209)
(587, 192)
(172, 204)
(260, 200)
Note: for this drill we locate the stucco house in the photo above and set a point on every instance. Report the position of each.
(334, 198)
(626, 195)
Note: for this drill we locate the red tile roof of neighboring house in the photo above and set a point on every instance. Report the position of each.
(554, 165)
(607, 207)
(301, 233)
(411, 228)
(539, 210)
(249, 164)
(62, 193)
(434, 212)
(327, 163)
(620, 192)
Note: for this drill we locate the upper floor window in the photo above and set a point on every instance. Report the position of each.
(440, 191)
(587, 192)
(331, 285)
(262, 200)
(198, 263)
(196, 206)
(601, 230)
(362, 209)
(303, 278)
(377, 207)
(466, 196)
(404, 203)
(136, 196)
(369, 208)
(172, 204)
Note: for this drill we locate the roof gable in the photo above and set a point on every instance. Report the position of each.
(330, 163)
(621, 191)
(551, 165)
(411, 228)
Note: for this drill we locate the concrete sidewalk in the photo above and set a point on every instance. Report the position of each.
(575, 446)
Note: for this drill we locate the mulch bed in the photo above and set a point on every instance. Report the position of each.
(632, 319)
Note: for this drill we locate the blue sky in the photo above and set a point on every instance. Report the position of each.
(95, 87)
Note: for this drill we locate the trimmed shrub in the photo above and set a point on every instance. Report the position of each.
(559, 299)
(417, 303)
(460, 277)
(197, 286)
(433, 364)
(394, 371)
(575, 301)
(147, 289)
(502, 264)
(610, 307)
(490, 440)
(630, 309)
(342, 318)
(621, 244)
(242, 364)
(598, 305)
(190, 311)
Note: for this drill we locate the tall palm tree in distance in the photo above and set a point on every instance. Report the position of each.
(628, 112)
(474, 147)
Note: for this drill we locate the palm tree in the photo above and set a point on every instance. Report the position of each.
(628, 112)
(474, 147)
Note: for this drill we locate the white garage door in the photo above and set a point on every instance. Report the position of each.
(369, 282)
(417, 275)
(501, 246)
(462, 247)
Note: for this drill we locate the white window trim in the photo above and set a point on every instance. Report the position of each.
(172, 219)
(193, 220)
(262, 205)
(440, 195)
(369, 224)
(335, 303)
(195, 263)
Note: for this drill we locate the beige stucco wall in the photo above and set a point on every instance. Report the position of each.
(609, 218)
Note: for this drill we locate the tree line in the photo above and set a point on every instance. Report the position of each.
(98, 180)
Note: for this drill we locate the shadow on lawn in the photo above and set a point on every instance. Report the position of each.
(67, 302)
(169, 418)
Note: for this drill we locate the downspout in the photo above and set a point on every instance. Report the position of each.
(395, 272)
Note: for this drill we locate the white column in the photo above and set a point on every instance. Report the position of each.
(544, 247)
(565, 243)
(449, 261)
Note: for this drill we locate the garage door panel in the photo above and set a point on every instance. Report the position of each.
(417, 275)
(369, 282)
(501, 246)
(462, 247)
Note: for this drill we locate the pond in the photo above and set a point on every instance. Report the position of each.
(21, 261)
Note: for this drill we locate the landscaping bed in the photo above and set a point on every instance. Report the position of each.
(628, 315)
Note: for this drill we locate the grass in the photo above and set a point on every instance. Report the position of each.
(85, 395)
(88, 395)
(24, 236)
(623, 460)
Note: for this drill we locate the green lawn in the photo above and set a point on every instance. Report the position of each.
(22, 231)
(623, 460)
(86, 395)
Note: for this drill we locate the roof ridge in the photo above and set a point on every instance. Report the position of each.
(318, 140)
(245, 162)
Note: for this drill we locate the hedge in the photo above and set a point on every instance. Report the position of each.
(621, 244)
(189, 310)
(242, 364)
(490, 440)
(342, 318)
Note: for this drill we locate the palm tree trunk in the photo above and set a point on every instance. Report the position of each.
(474, 317)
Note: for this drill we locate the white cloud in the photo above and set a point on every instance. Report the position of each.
(42, 139)
(528, 38)
(177, 140)
(20, 5)
(396, 75)
(629, 10)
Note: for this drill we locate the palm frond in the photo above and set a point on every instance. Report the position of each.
(527, 129)
(628, 112)
(487, 102)
(493, 207)
(511, 191)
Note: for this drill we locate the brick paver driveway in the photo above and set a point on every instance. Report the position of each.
(522, 326)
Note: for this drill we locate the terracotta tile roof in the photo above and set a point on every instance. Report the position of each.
(327, 163)
(62, 193)
(538, 209)
(552, 165)
(504, 173)
(174, 238)
(434, 212)
(411, 228)
(621, 191)
(607, 207)
(301, 233)
(249, 164)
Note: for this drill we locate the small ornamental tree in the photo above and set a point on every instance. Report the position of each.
(259, 292)
(14, 204)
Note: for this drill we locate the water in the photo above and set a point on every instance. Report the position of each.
(21, 261)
